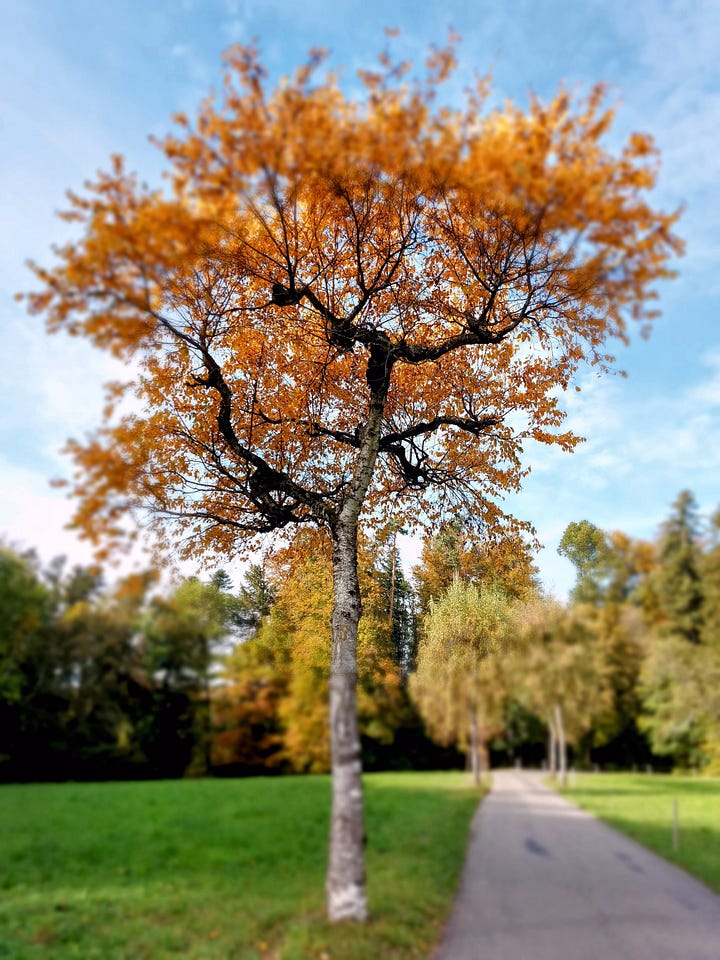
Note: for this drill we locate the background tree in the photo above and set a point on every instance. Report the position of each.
(559, 675)
(677, 655)
(585, 547)
(611, 569)
(338, 304)
(289, 660)
(399, 600)
(255, 599)
(181, 632)
(458, 549)
(24, 615)
(456, 679)
(25, 666)
(677, 577)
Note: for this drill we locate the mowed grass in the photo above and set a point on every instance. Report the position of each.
(230, 869)
(641, 805)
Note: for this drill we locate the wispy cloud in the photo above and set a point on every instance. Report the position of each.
(640, 451)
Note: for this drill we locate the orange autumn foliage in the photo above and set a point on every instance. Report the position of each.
(308, 245)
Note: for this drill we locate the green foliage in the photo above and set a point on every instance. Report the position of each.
(657, 628)
(558, 662)
(99, 683)
(677, 578)
(102, 682)
(24, 616)
(396, 596)
(141, 871)
(256, 598)
(458, 684)
(609, 566)
(466, 624)
(585, 547)
(682, 663)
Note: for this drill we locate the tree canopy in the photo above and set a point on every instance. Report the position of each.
(345, 303)
(313, 254)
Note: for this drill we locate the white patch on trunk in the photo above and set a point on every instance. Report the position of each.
(347, 903)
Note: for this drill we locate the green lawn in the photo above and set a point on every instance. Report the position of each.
(642, 806)
(225, 869)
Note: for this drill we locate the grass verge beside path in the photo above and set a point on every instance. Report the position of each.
(222, 869)
(641, 805)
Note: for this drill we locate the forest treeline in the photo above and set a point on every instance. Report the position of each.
(134, 680)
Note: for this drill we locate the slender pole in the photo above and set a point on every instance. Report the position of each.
(676, 826)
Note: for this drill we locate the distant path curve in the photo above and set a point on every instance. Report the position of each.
(544, 880)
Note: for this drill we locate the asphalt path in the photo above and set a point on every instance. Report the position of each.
(544, 880)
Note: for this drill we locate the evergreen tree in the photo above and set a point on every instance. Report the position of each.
(676, 658)
(678, 577)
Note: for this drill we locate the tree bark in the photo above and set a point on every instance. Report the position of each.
(474, 746)
(346, 899)
(561, 745)
(551, 750)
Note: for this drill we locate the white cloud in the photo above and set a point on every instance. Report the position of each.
(33, 515)
(641, 450)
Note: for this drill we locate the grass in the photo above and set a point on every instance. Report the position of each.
(642, 807)
(230, 869)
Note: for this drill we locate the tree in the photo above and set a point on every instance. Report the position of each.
(398, 601)
(25, 663)
(678, 577)
(255, 599)
(24, 615)
(272, 709)
(339, 304)
(457, 549)
(677, 658)
(559, 674)
(180, 633)
(611, 570)
(456, 680)
(586, 548)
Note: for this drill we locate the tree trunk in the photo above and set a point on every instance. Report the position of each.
(484, 752)
(551, 750)
(346, 898)
(474, 747)
(561, 745)
(474, 726)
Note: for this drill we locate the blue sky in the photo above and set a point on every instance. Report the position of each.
(80, 80)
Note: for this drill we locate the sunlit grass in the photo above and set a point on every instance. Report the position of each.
(641, 805)
(222, 868)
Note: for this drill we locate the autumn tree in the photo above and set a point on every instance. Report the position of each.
(343, 302)
(458, 548)
(559, 674)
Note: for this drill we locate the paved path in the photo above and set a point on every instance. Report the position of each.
(546, 881)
